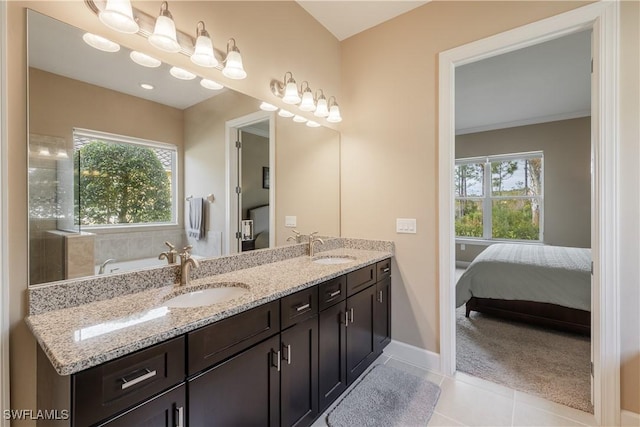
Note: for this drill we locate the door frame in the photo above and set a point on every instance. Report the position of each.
(231, 160)
(603, 19)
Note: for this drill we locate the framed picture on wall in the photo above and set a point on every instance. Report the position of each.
(265, 177)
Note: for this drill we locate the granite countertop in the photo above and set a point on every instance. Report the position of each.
(80, 337)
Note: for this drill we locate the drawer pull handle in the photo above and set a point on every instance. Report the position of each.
(335, 294)
(126, 384)
(386, 269)
(180, 417)
(303, 307)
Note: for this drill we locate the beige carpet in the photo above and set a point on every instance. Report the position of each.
(551, 364)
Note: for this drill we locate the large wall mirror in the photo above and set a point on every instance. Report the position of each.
(117, 169)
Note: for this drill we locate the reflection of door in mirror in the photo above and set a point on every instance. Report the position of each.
(254, 194)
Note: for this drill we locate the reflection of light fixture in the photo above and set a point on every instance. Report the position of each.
(308, 103)
(291, 95)
(146, 86)
(100, 43)
(321, 108)
(268, 107)
(144, 59)
(299, 119)
(44, 151)
(313, 124)
(203, 52)
(334, 111)
(62, 154)
(233, 68)
(181, 73)
(118, 16)
(164, 33)
(285, 113)
(210, 84)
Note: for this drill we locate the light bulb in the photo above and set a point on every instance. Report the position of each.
(334, 114)
(321, 109)
(233, 68)
(203, 52)
(308, 103)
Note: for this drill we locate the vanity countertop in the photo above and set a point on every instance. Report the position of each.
(80, 337)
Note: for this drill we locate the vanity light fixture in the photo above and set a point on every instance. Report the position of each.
(181, 73)
(203, 51)
(334, 111)
(308, 102)
(164, 33)
(299, 119)
(285, 113)
(265, 106)
(322, 109)
(233, 68)
(44, 151)
(313, 124)
(118, 15)
(100, 43)
(210, 84)
(62, 154)
(144, 59)
(146, 86)
(291, 95)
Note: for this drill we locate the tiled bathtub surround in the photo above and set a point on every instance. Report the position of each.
(77, 338)
(72, 293)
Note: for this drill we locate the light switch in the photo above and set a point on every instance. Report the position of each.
(290, 221)
(406, 225)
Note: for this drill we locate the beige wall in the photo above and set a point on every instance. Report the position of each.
(389, 150)
(567, 172)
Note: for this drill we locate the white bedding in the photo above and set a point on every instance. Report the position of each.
(552, 274)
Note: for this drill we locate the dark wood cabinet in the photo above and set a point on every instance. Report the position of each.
(382, 315)
(332, 354)
(299, 374)
(360, 342)
(166, 410)
(241, 391)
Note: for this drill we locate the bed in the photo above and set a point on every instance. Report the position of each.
(260, 217)
(544, 285)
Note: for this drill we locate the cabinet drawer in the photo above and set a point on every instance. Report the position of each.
(214, 343)
(298, 307)
(383, 270)
(361, 279)
(332, 291)
(107, 389)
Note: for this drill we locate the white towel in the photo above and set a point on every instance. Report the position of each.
(195, 227)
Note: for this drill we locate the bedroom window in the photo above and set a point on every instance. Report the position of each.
(500, 197)
(123, 181)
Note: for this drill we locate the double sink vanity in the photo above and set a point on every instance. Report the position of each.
(270, 337)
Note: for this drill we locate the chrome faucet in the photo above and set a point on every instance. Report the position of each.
(169, 255)
(104, 264)
(186, 264)
(312, 240)
(297, 237)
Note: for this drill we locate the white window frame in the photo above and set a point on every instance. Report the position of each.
(488, 198)
(115, 138)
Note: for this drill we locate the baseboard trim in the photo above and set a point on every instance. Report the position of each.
(629, 419)
(414, 355)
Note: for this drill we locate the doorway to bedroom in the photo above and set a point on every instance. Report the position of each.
(522, 206)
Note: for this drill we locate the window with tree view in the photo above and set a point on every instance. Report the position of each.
(123, 181)
(500, 197)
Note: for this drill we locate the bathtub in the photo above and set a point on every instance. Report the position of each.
(135, 264)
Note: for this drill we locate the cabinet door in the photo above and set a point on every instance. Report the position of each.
(382, 315)
(360, 342)
(299, 375)
(332, 350)
(165, 410)
(241, 391)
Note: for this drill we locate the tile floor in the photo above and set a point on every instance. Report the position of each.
(470, 401)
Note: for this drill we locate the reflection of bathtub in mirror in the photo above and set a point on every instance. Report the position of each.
(135, 264)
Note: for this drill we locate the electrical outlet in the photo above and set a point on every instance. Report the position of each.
(406, 225)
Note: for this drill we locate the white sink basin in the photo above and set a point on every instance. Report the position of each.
(328, 260)
(208, 296)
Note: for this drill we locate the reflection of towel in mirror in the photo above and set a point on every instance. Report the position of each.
(195, 227)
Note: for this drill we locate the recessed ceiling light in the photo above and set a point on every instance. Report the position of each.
(144, 59)
(146, 86)
(100, 43)
(285, 113)
(182, 74)
(210, 84)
